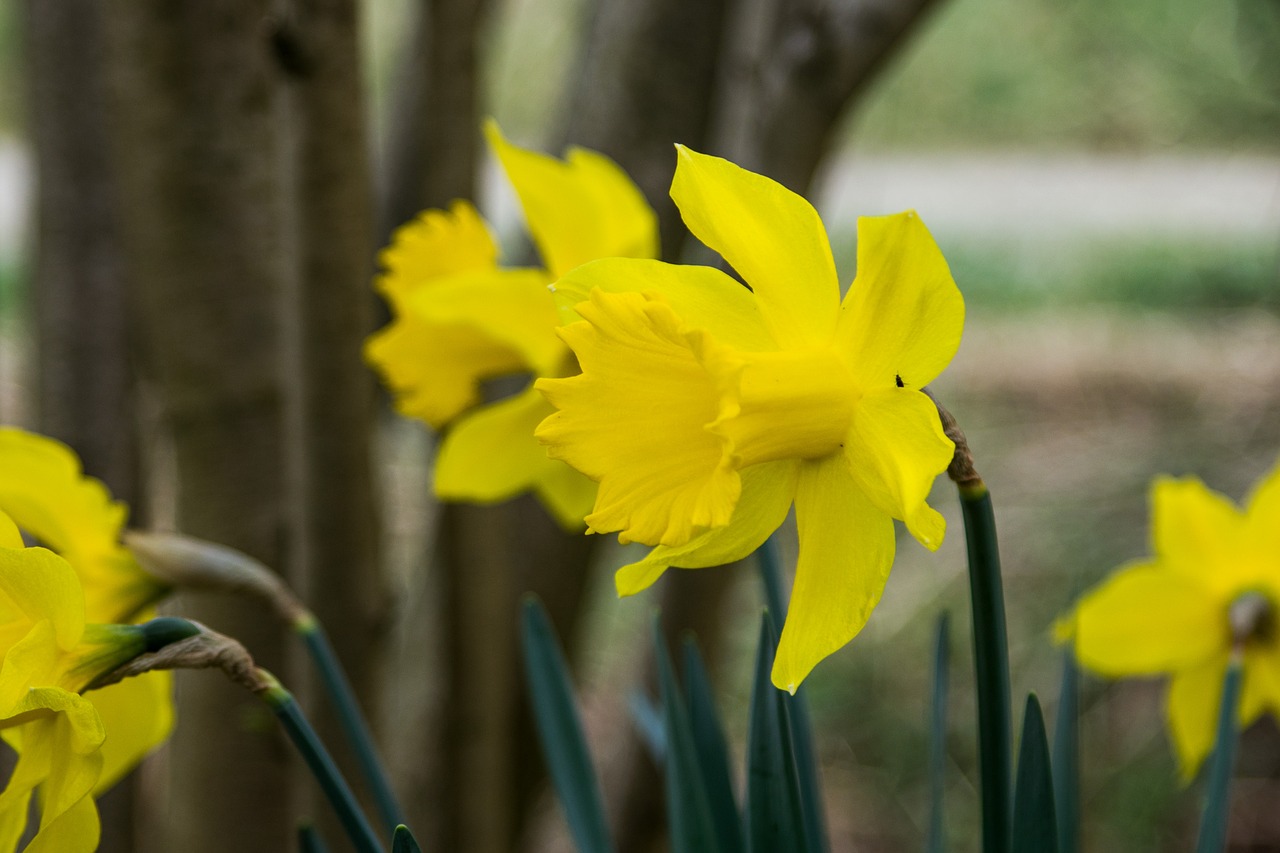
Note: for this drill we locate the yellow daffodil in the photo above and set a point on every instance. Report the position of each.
(44, 491)
(460, 320)
(49, 654)
(1177, 613)
(705, 409)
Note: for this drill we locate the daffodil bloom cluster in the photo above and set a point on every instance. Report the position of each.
(44, 491)
(461, 320)
(50, 654)
(705, 409)
(1172, 614)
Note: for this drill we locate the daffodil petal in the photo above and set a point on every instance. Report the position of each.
(491, 455)
(846, 551)
(1198, 532)
(1260, 683)
(702, 297)
(896, 449)
(29, 659)
(767, 492)
(1192, 706)
(434, 245)
(137, 714)
(1263, 516)
(10, 536)
(41, 585)
(771, 236)
(903, 315)
(578, 209)
(662, 475)
(1146, 620)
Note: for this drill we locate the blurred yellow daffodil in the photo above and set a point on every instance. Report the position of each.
(1211, 590)
(461, 320)
(44, 491)
(49, 655)
(705, 409)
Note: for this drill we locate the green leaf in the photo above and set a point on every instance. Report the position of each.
(713, 754)
(1035, 823)
(1217, 803)
(688, 805)
(938, 736)
(811, 803)
(403, 841)
(991, 665)
(309, 840)
(560, 731)
(775, 823)
(1066, 756)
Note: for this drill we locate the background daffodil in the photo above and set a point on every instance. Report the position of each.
(1172, 614)
(705, 409)
(49, 655)
(460, 320)
(45, 492)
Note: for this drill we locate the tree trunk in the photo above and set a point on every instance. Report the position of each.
(195, 101)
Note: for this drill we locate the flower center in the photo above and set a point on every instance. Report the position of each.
(1253, 619)
(783, 405)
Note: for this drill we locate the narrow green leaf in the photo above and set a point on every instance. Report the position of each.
(309, 840)
(1066, 756)
(775, 822)
(937, 842)
(713, 753)
(646, 716)
(991, 665)
(560, 731)
(1035, 822)
(688, 805)
(1217, 802)
(811, 803)
(403, 841)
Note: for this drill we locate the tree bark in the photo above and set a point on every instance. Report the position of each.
(329, 314)
(195, 99)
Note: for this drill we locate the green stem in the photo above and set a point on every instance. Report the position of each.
(321, 764)
(1066, 756)
(991, 662)
(353, 722)
(1217, 805)
(937, 842)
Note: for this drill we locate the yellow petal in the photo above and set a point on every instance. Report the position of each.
(578, 209)
(846, 551)
(1146, 620)
(896, 449)
(702, 297)
(30, 659)
(10, 536)
(1198, 532)
(1192, 705)
(491, 455)
(662, 475)
(771, 236)
(1263, 517)
(902, 318)
(767, 492)
(44, 491)
(434, 245)
(40, 585)
(137, 714)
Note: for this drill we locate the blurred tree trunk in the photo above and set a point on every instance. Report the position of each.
(329, 314)
(84, 378)
(195, 99)
(433, 138)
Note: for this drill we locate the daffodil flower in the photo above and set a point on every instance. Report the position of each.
(705, 409)
(44, 491)
(461, 320)
(1172, 614)
(49, 655)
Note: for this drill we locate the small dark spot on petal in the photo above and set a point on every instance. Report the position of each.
(898, 379)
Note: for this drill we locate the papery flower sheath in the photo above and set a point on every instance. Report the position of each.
(705, 409)
(49, 655)
(1171, 614)
(45, 492)
(461, 320)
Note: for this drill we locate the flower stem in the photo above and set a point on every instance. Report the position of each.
(991, 662)
(353, 722)
(321, 764)
(1217, 805)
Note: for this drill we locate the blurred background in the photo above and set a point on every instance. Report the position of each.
(191, 200)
